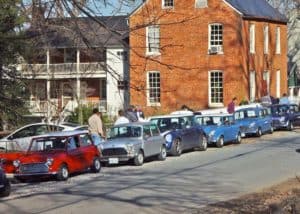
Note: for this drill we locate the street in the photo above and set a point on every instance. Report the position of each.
(178, 185)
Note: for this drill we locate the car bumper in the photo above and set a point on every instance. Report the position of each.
(34, 174)
(279, 125)
(116, 158)
(248, 131)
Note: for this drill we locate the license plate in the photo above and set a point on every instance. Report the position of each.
(113, 160)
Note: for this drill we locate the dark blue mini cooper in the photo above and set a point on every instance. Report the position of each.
(180, 133)
(285, 116)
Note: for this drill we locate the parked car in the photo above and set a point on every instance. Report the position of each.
(180, 132)
(58, 154)
(254, 121)
(285, 116)
(133, 141)
(220, 128)
(4, 184)
(10, 151)
(24, 134)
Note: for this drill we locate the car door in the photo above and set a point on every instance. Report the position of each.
(149, 141)
(188, 133)
(157, 139)
(88, 149)
(225, 128)
(76, 161)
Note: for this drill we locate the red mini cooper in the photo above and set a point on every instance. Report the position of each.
(58, 154)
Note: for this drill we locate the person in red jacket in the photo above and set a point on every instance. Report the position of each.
(231, 106)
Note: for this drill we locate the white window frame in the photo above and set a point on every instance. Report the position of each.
(163, 2)
(278, 80)
(219, 48)
(266, 39)
(201, 4)
(149, 103)
(278, 42)
(210, 103)
(252, 86)
(252, 38)
(148, 52)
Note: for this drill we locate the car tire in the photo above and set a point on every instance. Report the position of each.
(271, 130)
(163, 153)
(290, 126)
(139, 159)
(258, 132)
(220, 142)
(96, 167)
(203, 143)
(5, 191)
(63, 173)
(176, 147)
(239, 138)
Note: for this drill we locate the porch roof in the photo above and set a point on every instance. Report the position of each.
(81, 32)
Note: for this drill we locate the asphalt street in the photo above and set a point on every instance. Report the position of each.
(178, 185)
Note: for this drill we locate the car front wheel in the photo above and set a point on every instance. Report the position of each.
(139, 159)
(163, 153)
(290, 126)
(96, 167)
(259, 132)
(220, 142)
(239, 138)
(176, 147)
(63, 173)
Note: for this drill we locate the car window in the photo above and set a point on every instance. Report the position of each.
(26, 132)
(85, 140)
(199, 120)
(250, 114)
(154, 130)
(73, 143)
(147, 132)
(125, 131)
(260, 113)
(45, 144)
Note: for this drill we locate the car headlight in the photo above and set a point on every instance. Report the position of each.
(282, 119)
(168, 138)
(16, 163)
(130, 148)
(211, 133)
(49, 161)
(252, 124)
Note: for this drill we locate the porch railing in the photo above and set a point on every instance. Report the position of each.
(63, 68)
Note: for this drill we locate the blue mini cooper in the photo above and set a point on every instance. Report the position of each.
(180, 133)
(253, 121)
(220, 128)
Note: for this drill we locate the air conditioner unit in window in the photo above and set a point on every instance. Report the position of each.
(215, 49)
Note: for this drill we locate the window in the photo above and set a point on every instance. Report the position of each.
(278, 83)
(216, 87)
(252, 86)
(278, 45)
(215, 38)
(266, 77)
(266, 39)
(167, 3)
(153, 39)
(154, 130)
(200, 3)
(153, 88)
(252, 38)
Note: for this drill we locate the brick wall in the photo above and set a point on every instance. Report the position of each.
(184, 61)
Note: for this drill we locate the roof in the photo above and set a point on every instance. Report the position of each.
(170, 116)
(81, 32)
(61, 134)
(258, 9)
(215, 115)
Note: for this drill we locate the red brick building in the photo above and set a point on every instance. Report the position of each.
(201, 53)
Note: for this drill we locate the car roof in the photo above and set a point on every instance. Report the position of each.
(140, 123)
(61, 134)
(169, 116)
(215, 115)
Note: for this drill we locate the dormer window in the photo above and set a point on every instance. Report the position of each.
(167, 3)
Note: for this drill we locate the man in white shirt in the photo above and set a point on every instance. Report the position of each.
(121, 119)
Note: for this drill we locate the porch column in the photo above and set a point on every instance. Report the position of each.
(48, 86)
(78, 75)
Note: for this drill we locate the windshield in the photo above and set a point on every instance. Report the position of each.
(10, 146)
(125, 131)
(209, 120)
(46, 144)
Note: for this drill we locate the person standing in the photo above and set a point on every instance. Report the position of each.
(121, 119)
(95, 127)
(231, 106)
